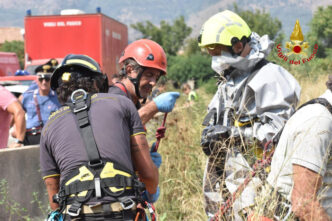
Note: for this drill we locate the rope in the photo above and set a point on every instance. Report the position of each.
(259, 164)
(160, 133)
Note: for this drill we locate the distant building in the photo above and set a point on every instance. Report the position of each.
(10, 34)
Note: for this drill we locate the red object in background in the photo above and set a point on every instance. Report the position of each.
(9, 63)
(54, 36)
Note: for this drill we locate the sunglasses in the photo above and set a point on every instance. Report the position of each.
(47, 79)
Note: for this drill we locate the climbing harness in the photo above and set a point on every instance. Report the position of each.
(98, 177)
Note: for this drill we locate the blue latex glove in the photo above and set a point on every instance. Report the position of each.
(166, 101)
(151, 198)
(156, 158)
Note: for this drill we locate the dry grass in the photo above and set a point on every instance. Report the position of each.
(312, 88)
(181, 173)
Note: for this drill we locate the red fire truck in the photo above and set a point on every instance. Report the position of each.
(55, 36)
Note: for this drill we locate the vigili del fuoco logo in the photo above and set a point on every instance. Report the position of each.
(298, 47)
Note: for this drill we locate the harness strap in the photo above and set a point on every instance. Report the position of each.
(260, 64)
(38, 108)
(122, 87)
(76, 187)
(80, 107)
(319, 100)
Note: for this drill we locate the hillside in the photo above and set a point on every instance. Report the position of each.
(12, 12)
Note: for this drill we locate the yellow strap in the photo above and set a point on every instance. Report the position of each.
(241, 124)
(49, 176)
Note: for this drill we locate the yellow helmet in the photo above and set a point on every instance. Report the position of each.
(223, 28)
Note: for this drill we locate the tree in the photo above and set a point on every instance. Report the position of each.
(194, 67)
(321, 31)
(191, 47)
(262, 23)
(170, 37)
(17, 47)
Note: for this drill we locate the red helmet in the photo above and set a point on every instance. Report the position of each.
(146, 53)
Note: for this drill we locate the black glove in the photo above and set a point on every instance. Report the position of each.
(210, 135)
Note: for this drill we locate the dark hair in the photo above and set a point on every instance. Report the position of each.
(133, 64)
(91, 84)
(185, 86)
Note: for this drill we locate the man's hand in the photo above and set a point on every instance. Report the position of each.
(52, 187)
(151, 197)
(166, 101)
(305, 203)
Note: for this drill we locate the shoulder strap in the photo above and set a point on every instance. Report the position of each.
(80, 106)
(260, 64)
(37, 108)
(319, 100)
(122, 87)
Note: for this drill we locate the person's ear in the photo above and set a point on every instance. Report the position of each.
(130, 71)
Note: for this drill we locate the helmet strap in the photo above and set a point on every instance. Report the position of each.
(136, 81)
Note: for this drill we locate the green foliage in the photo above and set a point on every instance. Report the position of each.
(209, 86)
(17, 47)
(321, 31)
(170, 37)
(262, 23)
(191, 47)
(195, 67)
(12, 208)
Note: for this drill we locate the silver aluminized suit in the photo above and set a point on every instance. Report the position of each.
(255, 91)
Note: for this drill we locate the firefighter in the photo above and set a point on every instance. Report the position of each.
(143, 63)
(39, 102)
(92, 146)
(253, 101)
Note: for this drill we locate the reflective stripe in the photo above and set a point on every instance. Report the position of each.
(49, 176)
(79, 61)
(138, 134)
(223, 27)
